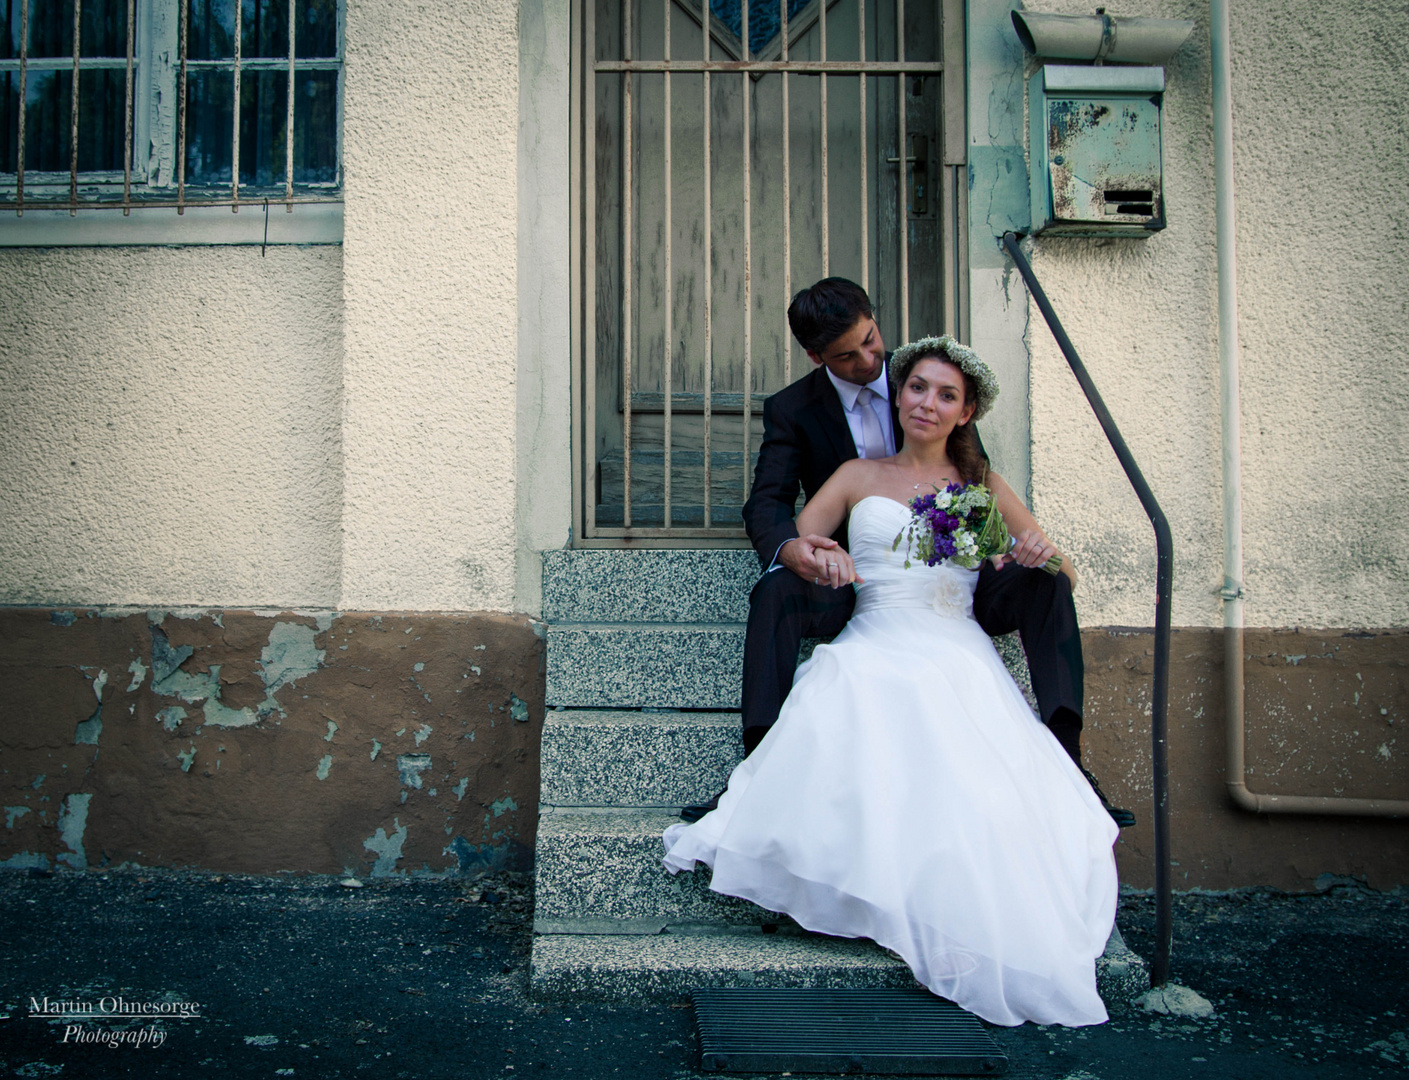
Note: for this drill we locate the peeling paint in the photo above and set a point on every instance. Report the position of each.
(376, 749)
(38, 781)
(87, 732)
(423, 733)
(13, 814)
(73, 820)
(473, 859)
(165, 659)
(139, 672)
(518, 708)
(501, 806)
(460, 788)
(100, 681)
(386, 848)
(171, 717)
(418, 667)
(410, 767)
(325, 766)
(187, 758)
(290, 655)
(332, 730)
(26, 860)
(63, 618)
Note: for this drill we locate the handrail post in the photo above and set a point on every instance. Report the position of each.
(1164, 585)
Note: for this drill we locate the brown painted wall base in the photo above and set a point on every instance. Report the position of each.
(244, 742)
(386, 743)
(1325, 710)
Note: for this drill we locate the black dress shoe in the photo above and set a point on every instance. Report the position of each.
(694, 813)
(1123, 818)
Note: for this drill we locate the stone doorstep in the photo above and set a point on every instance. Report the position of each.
(606, 863)
(641, 966)
(671, 666)
(600, 757)
(665, 585)
(656, 665)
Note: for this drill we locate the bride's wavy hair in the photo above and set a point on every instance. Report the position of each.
(963, 446)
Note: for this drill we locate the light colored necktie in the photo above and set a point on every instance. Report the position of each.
(872, 438)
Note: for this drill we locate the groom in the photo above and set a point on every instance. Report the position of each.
(841, 410)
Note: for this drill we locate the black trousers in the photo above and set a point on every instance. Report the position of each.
(784, 609)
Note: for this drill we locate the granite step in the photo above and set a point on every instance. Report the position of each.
(638, 969)
(605, 864)
(650, 586)
(612, 757)
(666, 967)
(695, 666)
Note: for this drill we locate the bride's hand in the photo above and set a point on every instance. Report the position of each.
(1030, 548)
(820, 560)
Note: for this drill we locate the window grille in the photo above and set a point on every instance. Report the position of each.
(727, 152)
(122, 103)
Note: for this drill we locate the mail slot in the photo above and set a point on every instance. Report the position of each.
(1096, 152)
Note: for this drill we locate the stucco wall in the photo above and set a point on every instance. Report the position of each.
(429, 141)
(1320, 141)
(169, 425)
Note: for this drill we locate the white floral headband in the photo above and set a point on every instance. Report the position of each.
(961, 356)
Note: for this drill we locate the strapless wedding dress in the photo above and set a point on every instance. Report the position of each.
(907, 794)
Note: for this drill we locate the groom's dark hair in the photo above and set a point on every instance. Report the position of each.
(825, 311)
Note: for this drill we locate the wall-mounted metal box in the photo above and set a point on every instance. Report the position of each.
(1096, 159)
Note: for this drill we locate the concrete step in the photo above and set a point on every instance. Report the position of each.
(697, 666)
(665, 967)
(606, 864)
(700, 666)
(600, 757)
(636, 968)
(655, 586)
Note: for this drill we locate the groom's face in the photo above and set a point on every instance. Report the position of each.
(858, 356)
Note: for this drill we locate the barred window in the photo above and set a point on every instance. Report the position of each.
(169, 102)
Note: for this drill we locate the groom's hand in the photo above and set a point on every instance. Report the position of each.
(818, 559)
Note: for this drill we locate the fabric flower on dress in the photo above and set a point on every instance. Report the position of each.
(952, 597)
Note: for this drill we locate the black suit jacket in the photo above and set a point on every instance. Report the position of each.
(805, 440)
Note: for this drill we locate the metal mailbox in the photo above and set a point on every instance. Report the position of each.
(1096, 158)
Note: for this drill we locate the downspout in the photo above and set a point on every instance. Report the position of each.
(1232, 591)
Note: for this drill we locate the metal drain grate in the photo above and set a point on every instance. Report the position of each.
(896, 1032)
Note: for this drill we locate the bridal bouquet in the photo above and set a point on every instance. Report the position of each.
(960, 523)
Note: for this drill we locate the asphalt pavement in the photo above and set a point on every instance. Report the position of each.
(195, 975)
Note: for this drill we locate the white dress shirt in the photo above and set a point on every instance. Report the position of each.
(880, 405)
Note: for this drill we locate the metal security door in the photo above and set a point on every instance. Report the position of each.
(726, 156)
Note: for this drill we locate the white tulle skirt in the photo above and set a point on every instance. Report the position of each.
(908, 795)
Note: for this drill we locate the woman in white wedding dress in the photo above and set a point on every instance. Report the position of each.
(907, 793)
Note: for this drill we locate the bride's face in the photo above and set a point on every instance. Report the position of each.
(932, 401)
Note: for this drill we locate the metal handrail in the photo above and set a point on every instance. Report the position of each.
(1164, 583)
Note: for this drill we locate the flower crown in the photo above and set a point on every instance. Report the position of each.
(961, 356)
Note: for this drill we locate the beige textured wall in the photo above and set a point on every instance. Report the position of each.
(1321, 141)
(429, 143)
(169, 425)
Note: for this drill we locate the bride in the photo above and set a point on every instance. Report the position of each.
(907, 793)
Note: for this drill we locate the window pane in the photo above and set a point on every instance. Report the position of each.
(317, 31)
(104, 28)
(263, 113)
(10, 119)
(50, 27)
(102, 96)
(316, 127)
(208, 126)
(46, 121)
(10, 31)
(264, 29)
(212, 33)
(763, 18)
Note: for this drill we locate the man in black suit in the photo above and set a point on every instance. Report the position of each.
(839, 411)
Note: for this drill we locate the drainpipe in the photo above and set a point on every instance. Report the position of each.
(1232, 591)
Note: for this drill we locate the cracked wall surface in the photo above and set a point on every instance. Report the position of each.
(330, 743)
